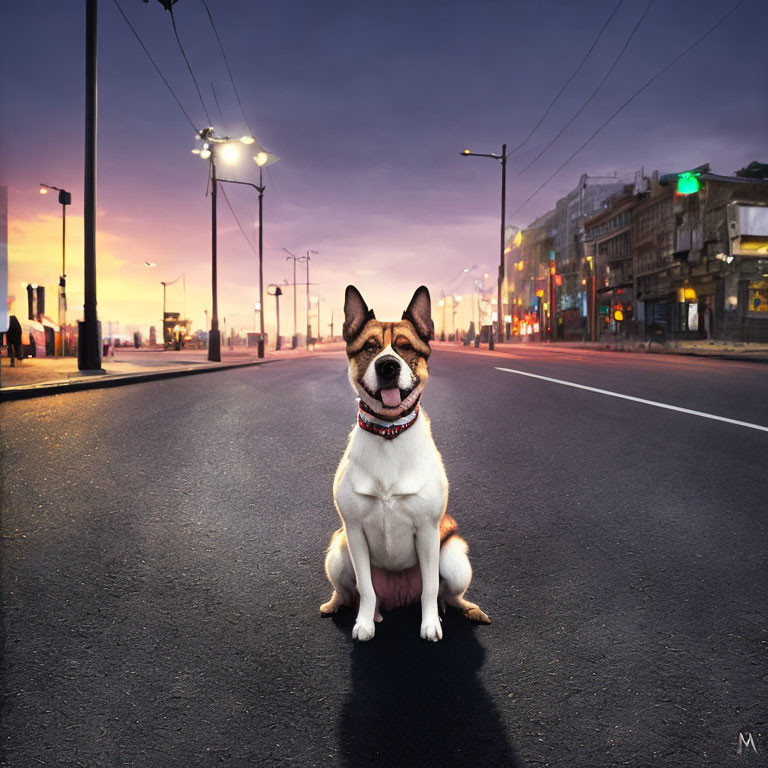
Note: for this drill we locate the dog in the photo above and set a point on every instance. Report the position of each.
(397, 544)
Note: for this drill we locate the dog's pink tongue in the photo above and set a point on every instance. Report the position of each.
(390, 397)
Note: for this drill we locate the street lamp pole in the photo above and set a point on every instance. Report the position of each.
(65, 199)
(499, 305)
(165, 284)
(214, 335)
(88, 352)
(260, 159)
(308, 258)
(208, 152)
(276, 291)
(261, 261)
(295, 339)
(501, 323)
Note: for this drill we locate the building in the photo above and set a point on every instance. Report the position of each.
(701, 256)
(545, 262)
(608, 268)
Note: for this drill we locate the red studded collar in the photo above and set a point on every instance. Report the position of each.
(387, 431)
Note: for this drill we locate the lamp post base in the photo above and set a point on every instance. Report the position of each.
(260, 351)
(294, 341)
(214, 346)
(88, 341)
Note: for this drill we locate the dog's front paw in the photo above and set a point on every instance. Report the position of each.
(363, 630)
(431, 630)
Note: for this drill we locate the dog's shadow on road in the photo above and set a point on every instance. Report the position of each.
(418, 703)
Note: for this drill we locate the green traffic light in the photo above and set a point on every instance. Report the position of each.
(687, 183)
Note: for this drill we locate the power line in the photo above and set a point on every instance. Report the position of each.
(632, 98)
(568, 81)
(596, 91)
(154, 64)
(218, 107)
(234, 88)
(247, 239)
(229, 71)
(169, 8)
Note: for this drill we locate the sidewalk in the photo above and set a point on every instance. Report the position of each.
(716, 349)
(37, 376)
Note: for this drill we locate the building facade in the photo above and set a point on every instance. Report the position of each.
(683, 255)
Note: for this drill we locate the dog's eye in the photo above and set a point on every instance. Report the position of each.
(404, 345)
(371, 345)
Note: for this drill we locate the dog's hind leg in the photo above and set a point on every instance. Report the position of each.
(341, 574)
(456, 573)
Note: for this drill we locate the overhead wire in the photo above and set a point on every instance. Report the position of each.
(218, 107)
(189, 66)
(181, 107)
(229, 70)
(568, 81)
(234, 88)
(626, 103)
(229, 205)
(595, 91)
(154, 64)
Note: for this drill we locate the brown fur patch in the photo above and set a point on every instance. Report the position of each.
(475, 614)
(448, 528)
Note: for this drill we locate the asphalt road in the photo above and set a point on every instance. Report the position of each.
(162, 549)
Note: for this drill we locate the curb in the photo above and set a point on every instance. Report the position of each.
(44, 390)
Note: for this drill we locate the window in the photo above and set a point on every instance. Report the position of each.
(758, 296)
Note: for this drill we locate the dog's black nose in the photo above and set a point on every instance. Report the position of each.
(388, 368)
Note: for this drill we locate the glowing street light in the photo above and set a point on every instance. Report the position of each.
(229, 153)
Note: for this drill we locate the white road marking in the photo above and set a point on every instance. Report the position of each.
(637, 399)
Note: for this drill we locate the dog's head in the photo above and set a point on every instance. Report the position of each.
(388, 361)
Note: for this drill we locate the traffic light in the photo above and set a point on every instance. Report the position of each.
(688, 183)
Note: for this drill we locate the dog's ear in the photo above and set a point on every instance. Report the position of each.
(356, 313)
(419, 314)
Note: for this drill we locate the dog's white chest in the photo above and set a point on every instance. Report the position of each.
(392, 488)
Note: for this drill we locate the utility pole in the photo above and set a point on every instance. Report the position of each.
(309, 325)
(214, 335)
(88, 352)
(295, 339)
(500, 306)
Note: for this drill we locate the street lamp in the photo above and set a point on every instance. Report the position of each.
(276, 291)
(65, 199)
(261, 159)
(503, 158)
(229, 152)
(165, 284)
(308, 258)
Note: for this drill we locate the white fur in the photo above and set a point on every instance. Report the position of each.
(391, 495)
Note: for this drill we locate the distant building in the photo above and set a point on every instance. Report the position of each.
(683, 255)
(545, 261)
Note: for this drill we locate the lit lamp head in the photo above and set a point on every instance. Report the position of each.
(465, 152)
(229, 152)
(43, 191)
(261, 159)
(247, 140)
